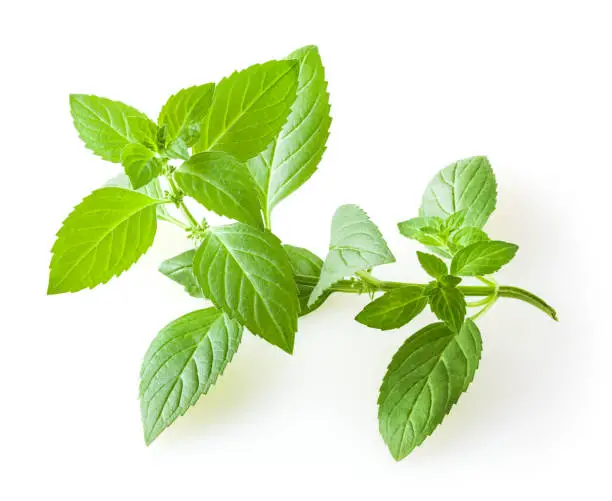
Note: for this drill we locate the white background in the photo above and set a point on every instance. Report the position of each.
(414, 86)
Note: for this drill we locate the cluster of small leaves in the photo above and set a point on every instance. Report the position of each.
(238, 148)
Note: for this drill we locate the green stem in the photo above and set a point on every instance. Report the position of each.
(374, 284)
(180, 203)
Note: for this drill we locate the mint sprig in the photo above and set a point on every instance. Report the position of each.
(238, 148)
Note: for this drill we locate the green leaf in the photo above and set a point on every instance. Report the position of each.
(249, 109)
(414, 227)
(177, 149)
(246, 273)
(102, 237)
(425, 379)
(356, 245)
(293, 156)
(433, 265)
(183, 362)
(106, 127)
(393, 309)
(153, 190)
(221, 184)
(448, 304)
(184, 111)
(467, 236)
(307, 266)
(141, 165)
(450, 281)
(482, 258)
(180, 269)
(465, 185)
(455, 221)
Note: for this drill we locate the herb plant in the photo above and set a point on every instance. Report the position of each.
(238, 148)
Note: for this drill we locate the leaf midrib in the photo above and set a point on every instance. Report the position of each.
(99, 241)
(248, 108)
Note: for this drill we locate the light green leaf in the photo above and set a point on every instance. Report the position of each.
(246, 273)
(221, 184)
(184, 111)
(425, 379)
(141, 165)
(180, 269)
(433, 265)
(249, 109)
(153, 190)
(450, 281)
(467, 236)
(307, 266)
(183, 362)
(293, 156)
(455, 220)
(356, 245)
(102, 237)
(448, 304)
(106, 127)
(393, 309)
(469, 185)
(482, 258)
(177, 149)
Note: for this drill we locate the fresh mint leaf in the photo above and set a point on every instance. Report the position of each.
(183, 362)
(455, 220)
(450, 281)
(153, 190)
(425, 379)
(183, 113)
(448, 304)
(393, 309)
(221, 184)
(468, 185)
(482, 258)
(433, 265)
(180, 269)
(292, 157)
(106, 127)
(101, 238)
(306, 267)
(177, 149)
(467, 236)
(141, 165)
(249, 109)
(246, 273)
(356, 245)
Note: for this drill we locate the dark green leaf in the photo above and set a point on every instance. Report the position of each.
(394, 309)
(246, 273)
(249, 109)
(101, 238)
(356, 245)
(482, 258)
(448, 304)
(305, 265)
(106, 127)
(425, 379)
(221, 184)
(183, 362)
(180, 269)
(433, 265)
(469, 185)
